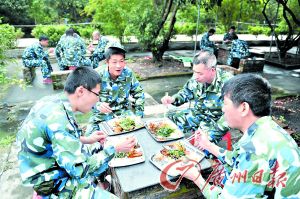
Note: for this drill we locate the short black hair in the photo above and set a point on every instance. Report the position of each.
(212, 31)
(114, 50)
(234, 36)
(70, 32)
(250, 88)
(232, 27)
(82, 76)
(43, 38)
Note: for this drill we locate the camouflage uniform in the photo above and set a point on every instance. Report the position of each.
(52, 158)
(98, 54)
(206, 44)
(34, 56)
(70, 51)
(266, 157)
(207, 112)
(228, 36)
(117, 93)
(239, 49)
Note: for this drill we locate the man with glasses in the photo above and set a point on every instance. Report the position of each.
(205, 89)
(121, 93)
(52, 156)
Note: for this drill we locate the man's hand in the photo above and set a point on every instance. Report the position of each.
(51, 50)
(91, 48)
(126, 145)
(167, 100)
(201, 140)
(104, 107)
(97, 136)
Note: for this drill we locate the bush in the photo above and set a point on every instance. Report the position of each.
(54, 32)
(8, 37)
(256, 30)
(188, 28)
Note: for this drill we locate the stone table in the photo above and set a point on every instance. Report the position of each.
(143, 180)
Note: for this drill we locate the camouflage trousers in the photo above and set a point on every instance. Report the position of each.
(46, 69)
(83, 62)
(189, 121)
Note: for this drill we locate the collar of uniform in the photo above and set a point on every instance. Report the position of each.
(122, 77)
(216, 82)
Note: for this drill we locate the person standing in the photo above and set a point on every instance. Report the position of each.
(70, 51)
(35, 56)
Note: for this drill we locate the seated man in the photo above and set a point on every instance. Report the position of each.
(98, 52)
(70, 51)
(265, 162)
(205, 89)
(239, 50)
(206, 44)
(118, 83)
(35, 56)
(52, 157)
(228, 37)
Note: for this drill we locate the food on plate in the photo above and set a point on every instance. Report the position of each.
(135, 152)
(161, 128)
(125, 124)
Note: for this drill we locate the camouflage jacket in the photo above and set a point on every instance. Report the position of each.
(264, 159)
(227, 36)
(70, 51)
(98, 54)
(239, 49)
(208, 102)
(206, 44)
(51, 151)
(36, 52)
(118, 93)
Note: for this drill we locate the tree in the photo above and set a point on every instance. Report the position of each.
(154, 23)
(291, 16)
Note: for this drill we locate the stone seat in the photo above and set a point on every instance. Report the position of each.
(59, 78)
(28, 74)
(252, 65)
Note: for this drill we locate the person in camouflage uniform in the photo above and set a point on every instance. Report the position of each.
(52, 157)
(206, 44)
(70, 51)
(228, 37)
(35, 56)
(265, 162)
(98, 52)
(118, 84)
(205, 89)
(239, 50)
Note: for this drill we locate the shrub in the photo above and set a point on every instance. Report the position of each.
(53, 32)
(256, 30)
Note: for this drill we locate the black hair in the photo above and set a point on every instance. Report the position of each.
(114, 51)
(43, 38)
(232, 27)
(70, 32)
(234, 36)
(82, 76)
(212, 31)
(250, 88)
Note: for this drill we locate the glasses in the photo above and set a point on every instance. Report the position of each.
(92, 92)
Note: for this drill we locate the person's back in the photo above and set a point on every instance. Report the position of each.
(240, 48)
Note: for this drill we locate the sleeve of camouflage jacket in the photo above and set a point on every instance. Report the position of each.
(138, 95)
(220, 129)
(67, 150)
(185, 94)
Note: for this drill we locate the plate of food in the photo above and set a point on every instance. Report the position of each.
(135, 156)
(122, 125)
(180, 150)
(163, 129)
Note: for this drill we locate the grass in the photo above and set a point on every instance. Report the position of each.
(7, 140)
